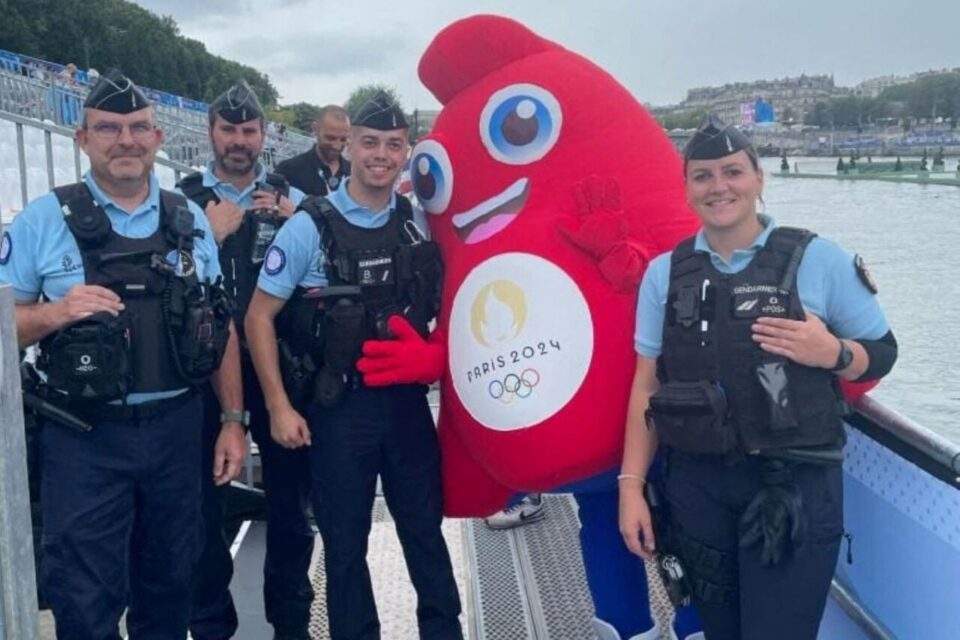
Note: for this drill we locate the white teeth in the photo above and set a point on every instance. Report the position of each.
(461, 220)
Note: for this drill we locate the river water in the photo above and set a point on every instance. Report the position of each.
(905, 232)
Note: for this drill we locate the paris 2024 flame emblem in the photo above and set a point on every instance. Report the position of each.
(523, 343)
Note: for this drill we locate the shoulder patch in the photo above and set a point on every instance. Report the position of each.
(864, 274)
(6, 245)
(275, 261)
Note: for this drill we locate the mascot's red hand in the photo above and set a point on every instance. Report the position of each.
(406, 359)
(600, 229)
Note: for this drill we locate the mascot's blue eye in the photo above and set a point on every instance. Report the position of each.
(520, 123)
(432, 176)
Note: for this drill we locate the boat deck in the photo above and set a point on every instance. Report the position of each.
(521, 584)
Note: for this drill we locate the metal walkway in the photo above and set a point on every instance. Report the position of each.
(522, 584)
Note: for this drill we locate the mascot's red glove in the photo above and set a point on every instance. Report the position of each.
(602, 232)
(406, 359)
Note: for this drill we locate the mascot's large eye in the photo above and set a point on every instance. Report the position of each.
(432, 176)
(520, 123)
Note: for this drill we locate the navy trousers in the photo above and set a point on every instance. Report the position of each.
(213, 615)
(387, 431)
(287, 593)
(754, 601)
(121, 508)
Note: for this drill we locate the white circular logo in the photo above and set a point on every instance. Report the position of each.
(85, 359)
(521, 341)
(275, 260)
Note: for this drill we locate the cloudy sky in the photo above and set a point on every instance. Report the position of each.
(320, 50)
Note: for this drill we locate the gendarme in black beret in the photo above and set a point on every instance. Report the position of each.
(116, 93)
(715, 139)
(381, 112)
(238, 104)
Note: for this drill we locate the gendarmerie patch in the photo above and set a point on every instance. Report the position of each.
(864, 274)
(375, 269)
(275, 261)
(6, 246)
(753, 301)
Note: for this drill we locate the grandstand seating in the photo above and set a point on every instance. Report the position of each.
(31, 88)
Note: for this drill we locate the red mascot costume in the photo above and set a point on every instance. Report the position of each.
(550, 188)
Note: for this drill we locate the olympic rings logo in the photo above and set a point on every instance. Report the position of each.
(514, 386)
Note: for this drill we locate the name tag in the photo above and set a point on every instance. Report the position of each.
(375, 270)
(753, 301)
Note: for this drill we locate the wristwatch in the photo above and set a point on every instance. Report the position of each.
(844, 358)
(236, 415)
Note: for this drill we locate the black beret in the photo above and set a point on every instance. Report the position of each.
(116, 93)
(381, 112)
(714, 139)
(238, 104)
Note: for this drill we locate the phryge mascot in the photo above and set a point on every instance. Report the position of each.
(550, 190)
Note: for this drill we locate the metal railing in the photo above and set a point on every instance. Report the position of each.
(187, 140)
(18, 589)
(49, 130)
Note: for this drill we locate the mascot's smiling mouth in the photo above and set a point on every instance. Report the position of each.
(493, 215)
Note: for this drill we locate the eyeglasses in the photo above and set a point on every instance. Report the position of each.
(111, 131)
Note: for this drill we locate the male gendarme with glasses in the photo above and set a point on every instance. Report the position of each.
(119, 282)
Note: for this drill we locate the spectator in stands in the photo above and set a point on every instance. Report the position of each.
(322, 168)
(68, 75)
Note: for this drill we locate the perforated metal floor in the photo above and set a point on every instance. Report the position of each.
(521, 584)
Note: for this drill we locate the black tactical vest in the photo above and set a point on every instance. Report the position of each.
(169, 330)
(392, 269)
(242, 252)
(719, 391)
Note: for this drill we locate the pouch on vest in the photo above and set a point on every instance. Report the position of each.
(264, 229)
(776, 386)
(344, 330)
(420, 276)
(91, 358)
(691, 416)
(199, 327)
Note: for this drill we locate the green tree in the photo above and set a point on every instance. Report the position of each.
(689, 120)
(116, 33)
(300, 115)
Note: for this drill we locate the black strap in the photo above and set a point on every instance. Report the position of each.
(321, 210)
(85, 219)
(784, 250)
(170, 201)
(192, 187)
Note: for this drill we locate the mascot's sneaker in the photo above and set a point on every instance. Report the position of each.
(530, 509)
(605, 631)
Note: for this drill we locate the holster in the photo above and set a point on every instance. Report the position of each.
(298, 373)
(345, 330)
(666, 558)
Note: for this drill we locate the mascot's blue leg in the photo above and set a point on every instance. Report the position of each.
(686, 623)
(617, 579)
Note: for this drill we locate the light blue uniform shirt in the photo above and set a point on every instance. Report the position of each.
(295, 257)
(40, 255)
(243, 198)
(827, 281)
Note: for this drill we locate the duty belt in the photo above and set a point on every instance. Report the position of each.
(99, 411)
